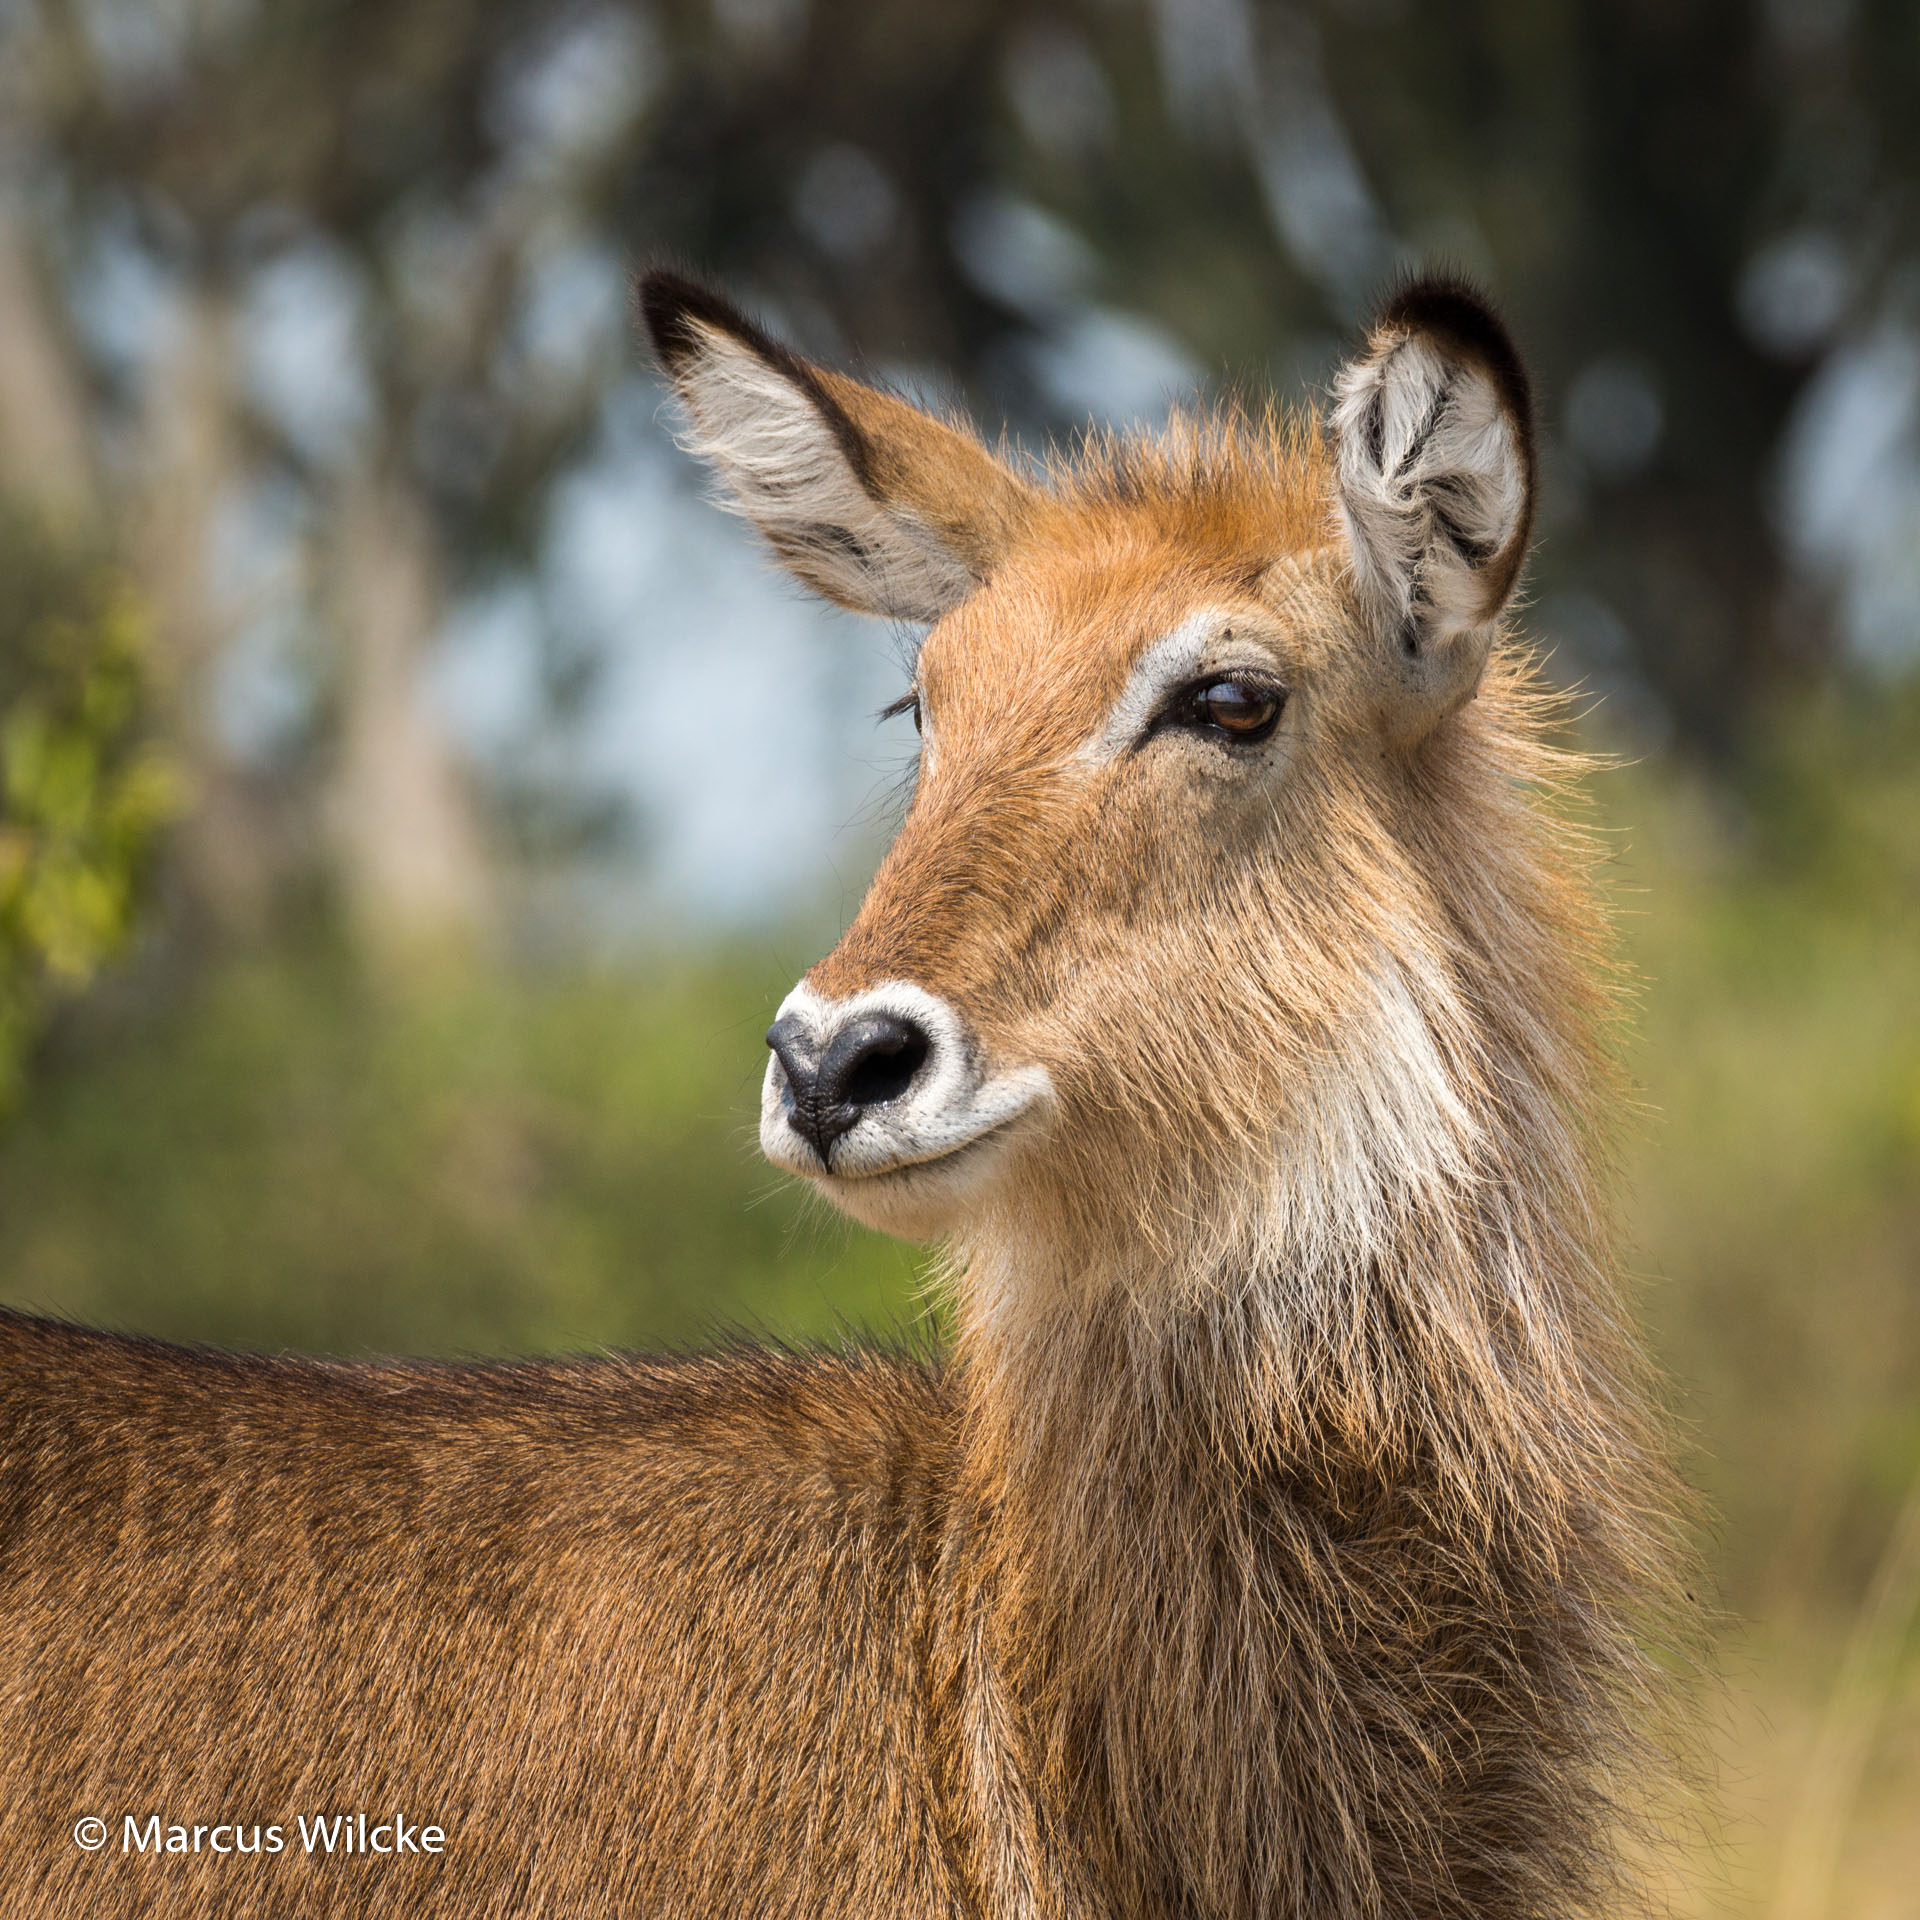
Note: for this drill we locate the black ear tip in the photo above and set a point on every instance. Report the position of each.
(674, 309)
(1464, 319)
(1426, 298)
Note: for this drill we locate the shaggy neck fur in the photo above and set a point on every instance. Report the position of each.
(1317, 1524)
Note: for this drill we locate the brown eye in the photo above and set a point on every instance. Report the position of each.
(1239, 709)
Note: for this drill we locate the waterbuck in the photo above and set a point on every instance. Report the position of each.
(1280, 1535)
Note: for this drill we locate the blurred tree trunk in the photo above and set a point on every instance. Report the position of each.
(46, 448)
(188, 469)
(408, 845)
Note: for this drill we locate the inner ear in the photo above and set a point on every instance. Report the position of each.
(1433, 426)
(867, 499)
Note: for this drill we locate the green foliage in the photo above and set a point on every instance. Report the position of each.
(75, 825)
(82, 793)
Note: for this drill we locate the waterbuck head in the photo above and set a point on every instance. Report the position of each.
(1170, 947)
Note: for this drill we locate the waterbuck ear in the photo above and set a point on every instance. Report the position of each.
(872, 502)
(1433, 426)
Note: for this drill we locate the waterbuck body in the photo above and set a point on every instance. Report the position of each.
(1278, 1536)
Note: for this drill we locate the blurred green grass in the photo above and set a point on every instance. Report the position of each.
(487, 1164)
(1772, 1187)
(1772, 1199)
(282, 1156)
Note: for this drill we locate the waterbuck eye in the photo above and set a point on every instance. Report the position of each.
(1235, 709)
(907, 703)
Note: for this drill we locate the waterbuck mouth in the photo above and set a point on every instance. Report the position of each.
(882, 1082)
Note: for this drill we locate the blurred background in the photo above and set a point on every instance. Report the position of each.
(414, 798)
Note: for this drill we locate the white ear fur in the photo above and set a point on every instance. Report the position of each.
(788, 468)
(1432, 426)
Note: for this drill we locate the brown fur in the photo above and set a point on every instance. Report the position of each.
(1278, 1541)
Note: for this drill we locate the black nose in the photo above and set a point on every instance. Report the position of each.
(867, 1062)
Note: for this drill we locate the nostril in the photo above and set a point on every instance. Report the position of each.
(886, 1072)
(873, 1060)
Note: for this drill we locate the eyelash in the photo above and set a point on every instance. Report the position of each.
(909, 702)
